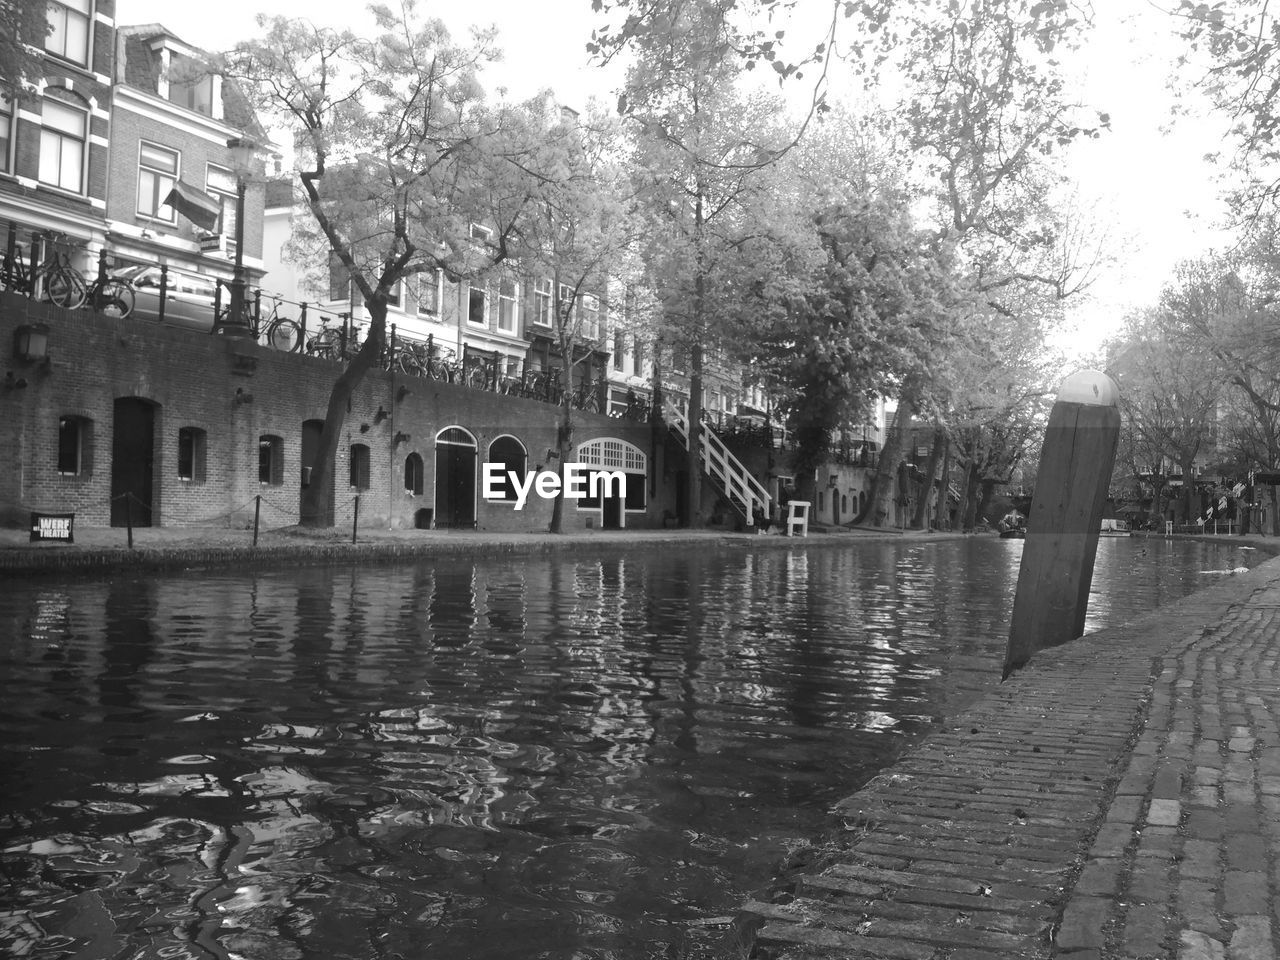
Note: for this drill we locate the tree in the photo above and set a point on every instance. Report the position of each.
(398, 154)
(24, 25)
(580, 229)
(1169, 392)
(700, 149)
(985, 107)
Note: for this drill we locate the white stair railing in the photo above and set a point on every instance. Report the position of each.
(744, 491)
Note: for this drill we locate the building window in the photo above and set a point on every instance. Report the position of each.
(637, 356)
(75, 441)
(510, 453)
(507, 315)
(395, 296)
(6, 132)
(69, 30)
(220, 184)
(565, 306)
(157, 172)
(360, 466)
(270, 460)
(62, 146)
(427, 291)
(542, 306)
(339, 279)
(619, 350)
(481, 234)
(191, 454)
(413, 475)
(477, 306)
(590, 327)
(190, 84)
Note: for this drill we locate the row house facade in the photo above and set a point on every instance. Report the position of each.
(121, 147)
(55, 133)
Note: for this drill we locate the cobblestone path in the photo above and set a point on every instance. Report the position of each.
(1119, 798)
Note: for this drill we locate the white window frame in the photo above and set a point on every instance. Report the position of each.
(161, 182)
(182, 85)
(8, 129)
(220, 184)
(589, 306)
(54, 141)
(508, 305)
(63, 15)
(544, 302)
(566, 294)
(481, 234)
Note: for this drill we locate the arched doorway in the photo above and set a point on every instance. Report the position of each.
(455, 493)
(132, 461)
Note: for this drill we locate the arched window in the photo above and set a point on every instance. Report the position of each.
(360, 466)
(612, 455)
(509, 453)
(413, 472)
(270, 460)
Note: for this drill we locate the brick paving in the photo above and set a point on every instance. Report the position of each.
(1118, 798)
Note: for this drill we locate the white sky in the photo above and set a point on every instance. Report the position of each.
(1146, 181)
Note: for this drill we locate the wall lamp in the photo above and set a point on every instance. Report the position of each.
(31, 343)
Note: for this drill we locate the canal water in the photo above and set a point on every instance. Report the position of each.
(566, 757)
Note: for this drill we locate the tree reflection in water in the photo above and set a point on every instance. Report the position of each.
(551, 756)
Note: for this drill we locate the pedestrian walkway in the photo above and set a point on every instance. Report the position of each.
(1118, 798)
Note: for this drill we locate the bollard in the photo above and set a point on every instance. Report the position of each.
(355, 518)
(1065, 518)
(128, 517)
(257, 509)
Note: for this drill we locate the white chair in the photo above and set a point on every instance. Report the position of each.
(798, 518)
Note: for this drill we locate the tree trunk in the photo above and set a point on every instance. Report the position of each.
(1188, 493)
(317, 501)
(971, 499)
(931, 468)
(694, 486)
(885, 483)
(564, 443)
(962, 497)
(988, 488)
(942, 511)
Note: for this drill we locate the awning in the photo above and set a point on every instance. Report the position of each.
(197, 206)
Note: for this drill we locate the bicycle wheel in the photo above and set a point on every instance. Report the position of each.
(114, 298)
(326, 344)
(412, 364)
(474, 377)
(285, 335)
(65, 288)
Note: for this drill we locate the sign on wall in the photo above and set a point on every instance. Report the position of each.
(53, 526)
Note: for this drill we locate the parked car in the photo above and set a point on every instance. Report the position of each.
(189, 297)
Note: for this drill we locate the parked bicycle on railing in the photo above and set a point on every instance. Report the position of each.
(53, 278)
(278, 332)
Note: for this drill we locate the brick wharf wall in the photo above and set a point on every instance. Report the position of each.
(237, 393)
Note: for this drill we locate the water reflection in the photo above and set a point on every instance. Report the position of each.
(548, 757)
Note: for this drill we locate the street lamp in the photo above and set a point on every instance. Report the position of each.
(236, 323)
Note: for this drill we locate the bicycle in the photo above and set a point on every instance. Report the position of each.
(54, 277)
(280, 333)
(112, 296)
(587, 396)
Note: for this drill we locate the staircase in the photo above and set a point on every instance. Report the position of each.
(734, 480)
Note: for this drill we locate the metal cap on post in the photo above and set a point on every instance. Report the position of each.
(1065, 517)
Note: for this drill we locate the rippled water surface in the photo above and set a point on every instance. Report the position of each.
(570, 758)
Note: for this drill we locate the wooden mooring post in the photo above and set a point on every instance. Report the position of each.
(1065, 518)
